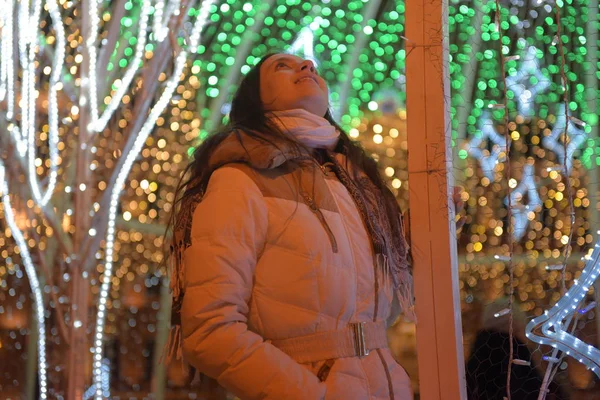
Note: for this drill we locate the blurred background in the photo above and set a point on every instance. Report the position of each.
(360, 48)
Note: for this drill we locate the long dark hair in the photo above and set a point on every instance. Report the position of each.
(248, 115)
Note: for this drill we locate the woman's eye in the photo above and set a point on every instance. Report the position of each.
(280, 64)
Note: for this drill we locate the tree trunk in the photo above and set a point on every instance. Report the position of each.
(79, 326)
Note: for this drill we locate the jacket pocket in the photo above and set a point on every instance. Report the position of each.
(323, 372)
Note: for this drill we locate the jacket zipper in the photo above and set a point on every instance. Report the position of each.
(326, 367)
(324, 170)
(311, 204)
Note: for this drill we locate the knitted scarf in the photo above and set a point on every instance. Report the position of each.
(307, 128)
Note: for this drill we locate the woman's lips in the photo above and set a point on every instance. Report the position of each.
(306, 79)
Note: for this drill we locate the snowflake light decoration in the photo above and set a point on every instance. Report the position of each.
(488, 160)
(576, 137)
(304, 44)
(518, 83)
(522, 211)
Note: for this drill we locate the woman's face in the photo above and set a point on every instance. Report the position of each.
(288, 82)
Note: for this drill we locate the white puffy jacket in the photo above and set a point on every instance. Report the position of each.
(266, 265)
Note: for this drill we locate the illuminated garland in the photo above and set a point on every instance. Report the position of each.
(160, 18)
(328, 24)
(89, 393)
(25, 138)
(27, 44)
(30, 270)
(551, 328)
(498, 28)
(53, 118)
(219, 107)
(7, 71)
(130, 157)
(99, 123)
(555, 327)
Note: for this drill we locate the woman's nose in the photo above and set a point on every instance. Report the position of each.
(307, 64)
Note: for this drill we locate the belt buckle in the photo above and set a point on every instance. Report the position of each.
(360, 344)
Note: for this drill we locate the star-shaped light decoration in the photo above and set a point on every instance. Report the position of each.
(519, 83)
(575, 137)
(487, 159)
(521, 212)
(551, 328)
(304, 44)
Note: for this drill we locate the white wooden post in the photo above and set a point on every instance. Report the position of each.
(433, 232)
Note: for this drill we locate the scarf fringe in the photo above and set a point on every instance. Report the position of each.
(406, 297)
(173, 350)
(384, 265)
(176, 274)
(402, 281)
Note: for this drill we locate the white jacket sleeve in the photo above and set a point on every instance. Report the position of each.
(228, 233)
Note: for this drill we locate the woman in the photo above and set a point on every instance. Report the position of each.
(288, 250)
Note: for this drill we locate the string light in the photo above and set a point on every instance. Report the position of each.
(100, 123)
(482, 228)
(550, 359)
(91, 80)
(160, 19)
(552, 326)
(219, 107)
(9, 216)
(7, 72)
(362, 36)
(587, 308)
(53, 119)
(89, 393)
(502, 312)
(507, 166)
(149, 124)
(4, 57)
(27, 44)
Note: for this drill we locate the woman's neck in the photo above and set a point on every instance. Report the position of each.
(320, 155)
